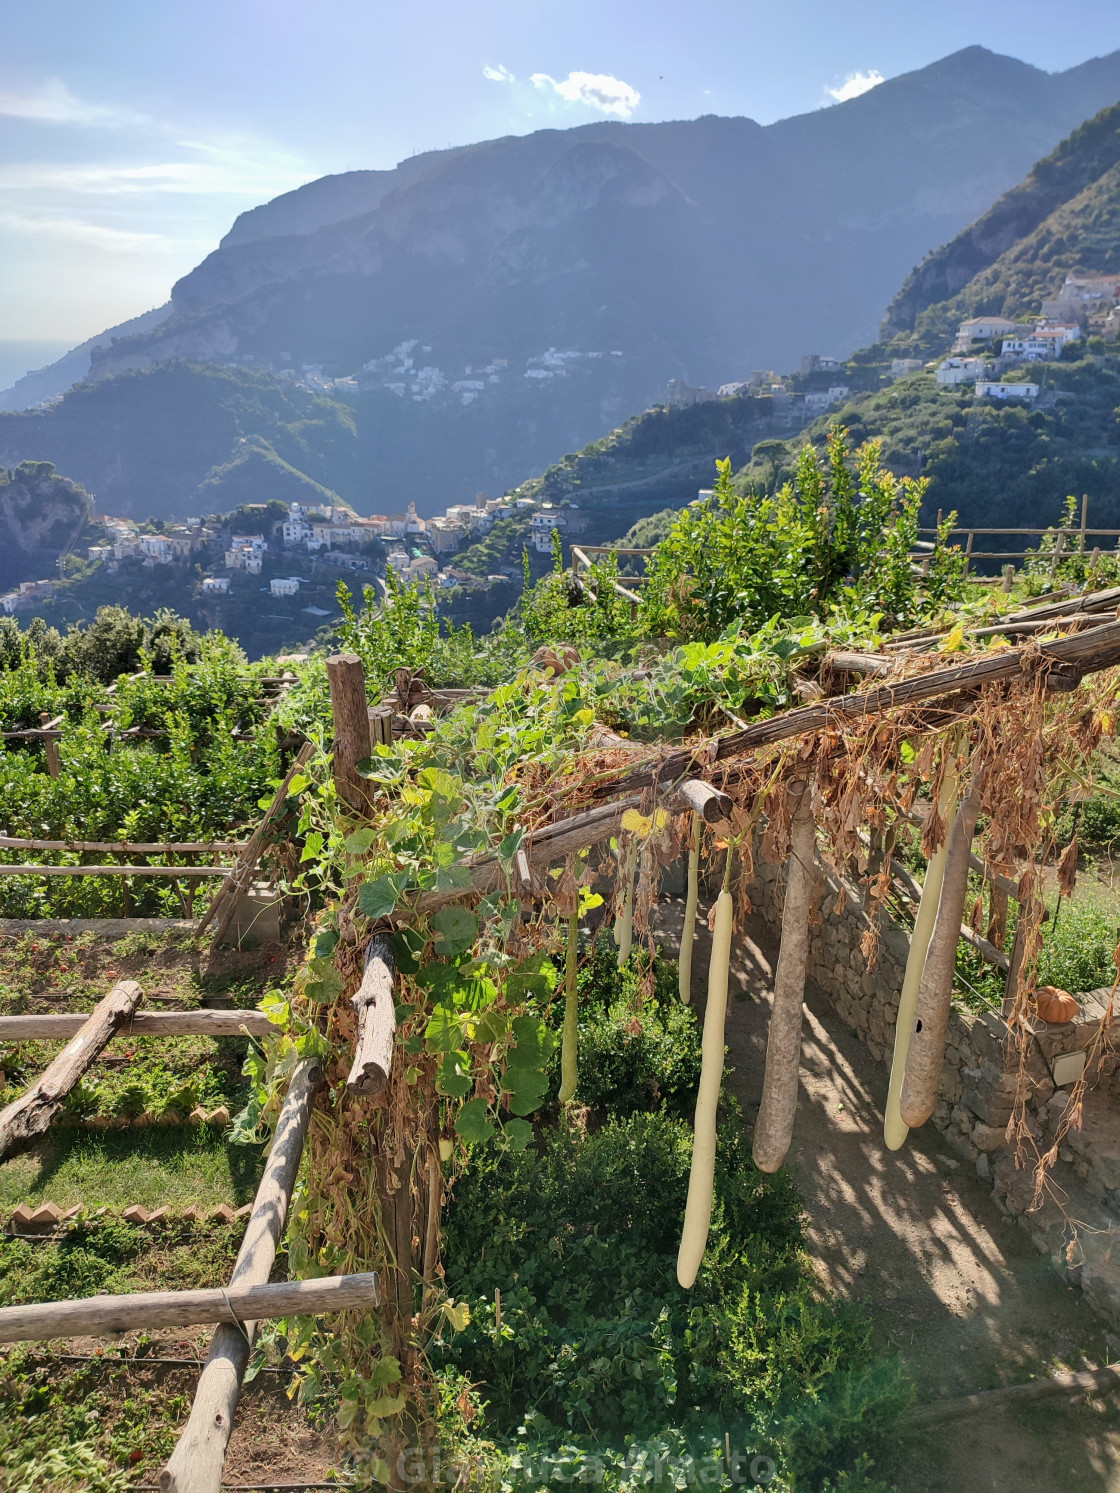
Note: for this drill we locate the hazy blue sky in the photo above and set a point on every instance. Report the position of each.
(134, 131)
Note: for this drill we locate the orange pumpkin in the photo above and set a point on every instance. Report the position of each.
(1055, 1005)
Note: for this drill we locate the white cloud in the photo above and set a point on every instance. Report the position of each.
(497, 74)
(596, 90)
(51, 102)
(93, 235)
(855, 84)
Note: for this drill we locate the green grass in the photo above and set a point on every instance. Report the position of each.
(173, 1166)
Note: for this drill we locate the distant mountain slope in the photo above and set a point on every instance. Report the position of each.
(997, 463)
(503, 302)
(182, 440)
(1016, 233)
(65, 372)
(643, 237)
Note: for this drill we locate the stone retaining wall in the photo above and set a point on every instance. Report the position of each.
(979, 1082)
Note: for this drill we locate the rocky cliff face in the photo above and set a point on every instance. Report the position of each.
(41, 514)
(1089, 153)
(753, 245)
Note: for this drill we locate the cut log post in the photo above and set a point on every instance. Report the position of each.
(350, 714)
(701, 798)
(236, 883)
(773, 1129)
(377, 1022)
(195, 1466)
(145, 1311)
(31, 1114)
(50, 745)
(859, 663)
(52, 1028)
(380, 726)
(926, 1054)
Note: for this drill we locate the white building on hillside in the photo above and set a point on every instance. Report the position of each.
(1005, 391)
(983, 329)
(284, 585)
(955, 371)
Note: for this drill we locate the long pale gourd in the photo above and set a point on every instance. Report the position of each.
(569, 1051)
(773, 1129)
(935, 992)
(895, 1128)
(702, 1176)
(624, 926)
(688, 929)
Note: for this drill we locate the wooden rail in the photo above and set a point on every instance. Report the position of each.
(145, 1311)
(195, 1466)
(125, 847)
(59, 1028)
(185, 872)
(31, 1114)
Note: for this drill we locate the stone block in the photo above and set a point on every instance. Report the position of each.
(245, 1211)
(136, 1214)
(19, 1219)
(223, 1213)
(46, 1217)
(158, 1217)
(219, 1116)
(987, 1137)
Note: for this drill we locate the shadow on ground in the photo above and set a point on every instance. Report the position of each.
(956, 1289)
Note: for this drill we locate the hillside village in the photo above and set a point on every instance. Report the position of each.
(328, 535)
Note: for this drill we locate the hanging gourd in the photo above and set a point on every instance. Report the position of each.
(895, 1128)
(688, 929)
(935, 991)
(702, 1175)
(624, 922)
(773, 1130)
(569, 1050)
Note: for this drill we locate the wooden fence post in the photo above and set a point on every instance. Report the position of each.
(377, 1021)
(350, 712)
(51, 746)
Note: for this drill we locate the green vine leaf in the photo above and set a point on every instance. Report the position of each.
(474, 1124)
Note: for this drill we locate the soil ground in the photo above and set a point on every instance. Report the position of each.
(955, 1288)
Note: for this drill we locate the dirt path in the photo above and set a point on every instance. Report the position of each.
(955, 1288)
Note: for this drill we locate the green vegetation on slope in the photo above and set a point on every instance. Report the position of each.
(149, 442)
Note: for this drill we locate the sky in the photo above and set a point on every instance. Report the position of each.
(132, 133)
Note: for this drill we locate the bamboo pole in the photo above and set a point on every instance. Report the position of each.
(773, 1129)
(145, 1311)
(32, 1113)
(195, 1466)
(59, 1028)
